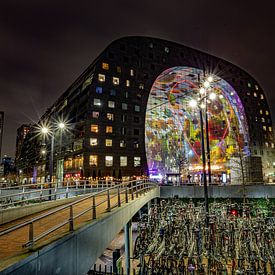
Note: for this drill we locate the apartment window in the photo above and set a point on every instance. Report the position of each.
(256, 87)
(137, 161)
(267, 113)
(115, 80)
(136, 132)
(137, 108)
(141, 86)
(126, 95)
(270, 129)
(108, 142)
(94, 128)
(136, 144)
(264, 127)
(262, 96)
(136, 119)
(93, 160)
(97, 102)
(95, 114)
(93, 142)
(255, 94)
(105, 66)
(101, 77)
(123, 131)
(249, 85)
(123, 161)
(118, 69)
(166, 49)
(272, 145)
(98, 90)
(108, 161)
(109, 129)
(266, 144)
(127, 83)
(123, 106)
(255, 152)
(123, 118)
(263, 120)
(132, 72)
(110, 116)
(122, 143)
(261, 112)
(111, 104)
(139, 96)
(113, 92)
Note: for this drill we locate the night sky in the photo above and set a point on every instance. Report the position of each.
(45, 45)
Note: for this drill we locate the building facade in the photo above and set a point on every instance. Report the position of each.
(129, 114)
(1, 131)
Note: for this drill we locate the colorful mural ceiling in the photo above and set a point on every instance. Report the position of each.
(173, 136)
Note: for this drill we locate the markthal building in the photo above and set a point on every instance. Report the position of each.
(150, 107)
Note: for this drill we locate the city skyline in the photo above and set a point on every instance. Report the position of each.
(44, 50)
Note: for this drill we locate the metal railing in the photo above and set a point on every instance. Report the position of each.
(111, 197)
(49, 191)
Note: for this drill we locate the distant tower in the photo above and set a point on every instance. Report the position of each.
(22, 132)
(1, 130)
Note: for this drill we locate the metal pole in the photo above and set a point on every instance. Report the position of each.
(128, 246)
(207, 145)
(51, 166)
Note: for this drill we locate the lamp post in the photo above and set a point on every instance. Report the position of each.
(61, 126)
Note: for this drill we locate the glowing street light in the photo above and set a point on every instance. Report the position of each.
(44, 130)
(212, 96)
(193, 103)
(206, 84)
(210, 78)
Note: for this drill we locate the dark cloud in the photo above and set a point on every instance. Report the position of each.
(45, 45)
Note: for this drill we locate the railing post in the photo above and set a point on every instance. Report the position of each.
(85, 187)
(94, 208)
(55, 190)
(132, 191)
(108, 201)
(31, 233)
(136, 190)
(67, 190)
(118, 197)
(71, 219)
(126, 194)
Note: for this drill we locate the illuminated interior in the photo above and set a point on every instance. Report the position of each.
(173, 135)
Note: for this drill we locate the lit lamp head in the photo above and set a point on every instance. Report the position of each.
(45, 130)
(202, 91)
(212, 96)
(210, 78)
(61, 125)
(193, 103)
(43, 152)
(206, 84)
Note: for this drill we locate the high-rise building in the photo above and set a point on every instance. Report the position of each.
(136, 111)
(1, 130)
(22, 132)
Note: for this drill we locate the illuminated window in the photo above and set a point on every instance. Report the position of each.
(132, 72)
(137, 161)
(166, 49)
(78, 162)
(266, 144)
(262, 96)
(122, 143)
(123, 161)
(94, 128)
(261, 112)
(267, 113)
(136, 144)
(255, 94)
(123, 106)
(109, 129)
(272, 145)
(68, 163)
(93, 141)
(249, 85)
(93, 160)
(127, 83)
(115, 80)
(108, 142)
(270, 129)
(111, 104)
(108, 161)
(126, 94)
(264, 127)
(101, 77)
(137, 108)
(95, 114)
(110, 116)
(97, 102)
(113, 92)
(256, 87)
(105, 66)
(141, 86)
(123, 118)
(78, 145)
(263, 120)
(118, 69)
(98, 90)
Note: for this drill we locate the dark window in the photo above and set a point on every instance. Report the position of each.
(136, 132)
(113, 92)
(136, 119)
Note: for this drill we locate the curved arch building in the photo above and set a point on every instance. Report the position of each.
(130, 115)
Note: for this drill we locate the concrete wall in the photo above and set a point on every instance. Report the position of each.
(77, 252)
(229, 191)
